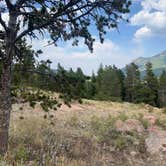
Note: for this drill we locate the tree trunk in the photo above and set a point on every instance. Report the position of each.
(5, 96)
(5, 107)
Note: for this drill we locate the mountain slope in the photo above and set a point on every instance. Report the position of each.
(158, 61)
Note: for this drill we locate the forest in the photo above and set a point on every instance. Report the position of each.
(109, 83)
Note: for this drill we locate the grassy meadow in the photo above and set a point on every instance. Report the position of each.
(83, 135)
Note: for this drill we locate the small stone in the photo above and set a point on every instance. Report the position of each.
(133, 153)
(119, 125)
(31, 163)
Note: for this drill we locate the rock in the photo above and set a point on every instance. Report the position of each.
(129, 125)
(133, 153)
(31, 163)
(134, 125)
(150, 119)
(119, 125)
(156, 141)
(154, 129)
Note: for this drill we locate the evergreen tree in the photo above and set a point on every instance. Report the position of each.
(132, 83)
(121, 78)
(110, 84)
(150, 89)
(24, 65)
(91, 89)
(99, 76)
(44, 75)
(80, 86)
(162, 89)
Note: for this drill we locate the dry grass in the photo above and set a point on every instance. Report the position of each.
(79, 136)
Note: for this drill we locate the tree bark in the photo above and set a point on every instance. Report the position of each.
(5, 107)
(5, 96)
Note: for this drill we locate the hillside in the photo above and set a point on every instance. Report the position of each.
(158, 61)
(89, 134)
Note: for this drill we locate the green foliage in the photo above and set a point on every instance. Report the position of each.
(151, 86)
(45, 14)
(144, 122)
(122, 116)
(21, 154)
(34, 96)
(132, 83)
(109, 84)
(162, 89)
(164, 110)
(161, 123)
(101, 125)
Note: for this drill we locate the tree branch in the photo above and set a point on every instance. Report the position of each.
(56, 15)
(38, 72)
(19, 3)
(2, 35)
(9, 4)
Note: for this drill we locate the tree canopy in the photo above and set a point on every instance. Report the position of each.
(64, 20)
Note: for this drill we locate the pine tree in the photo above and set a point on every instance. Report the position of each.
(80, 86)
(150, 89)
(91, 89)
(110, 84)
(162, 89)
(121, 79)
(132, 83)
(44, 79)
(99, 76)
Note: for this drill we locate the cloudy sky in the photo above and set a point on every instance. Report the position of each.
(145, 36)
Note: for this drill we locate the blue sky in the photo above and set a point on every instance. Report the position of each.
(144, 36)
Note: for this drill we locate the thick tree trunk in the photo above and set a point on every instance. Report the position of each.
(5, 107)
(5, 96)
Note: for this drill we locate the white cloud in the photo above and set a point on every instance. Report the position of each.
(151, 19)
(143, 32)
(107, 53)
(154, 4)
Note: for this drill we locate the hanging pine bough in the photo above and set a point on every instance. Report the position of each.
(34, 96)
(60, 20)
(28, 72)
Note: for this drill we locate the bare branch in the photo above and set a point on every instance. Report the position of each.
(2, 35)
(9, 4)
(20, 3)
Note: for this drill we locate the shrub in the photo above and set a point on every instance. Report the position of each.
(144, 122)
(103, 128)
(164, 110)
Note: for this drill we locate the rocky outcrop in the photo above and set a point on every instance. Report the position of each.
(156, 140)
